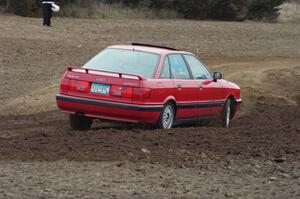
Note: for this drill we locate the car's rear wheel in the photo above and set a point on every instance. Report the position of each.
(226, 113)
(167, 117)
(79, 122)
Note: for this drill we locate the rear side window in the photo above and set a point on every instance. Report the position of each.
(178, 67)
(199, 71)
(165, 71)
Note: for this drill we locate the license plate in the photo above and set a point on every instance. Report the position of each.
(100, 88)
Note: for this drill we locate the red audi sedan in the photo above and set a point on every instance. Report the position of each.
(143, 83)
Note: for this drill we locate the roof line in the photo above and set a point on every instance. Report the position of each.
(154, 46)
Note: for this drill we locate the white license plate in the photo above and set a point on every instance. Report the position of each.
(100, 88)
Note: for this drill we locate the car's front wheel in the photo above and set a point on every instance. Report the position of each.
(167, 117)
(226, 113)
(81, 123)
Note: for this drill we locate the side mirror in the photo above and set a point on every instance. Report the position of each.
(217, 76)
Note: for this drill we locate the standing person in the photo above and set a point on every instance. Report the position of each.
(47, 12)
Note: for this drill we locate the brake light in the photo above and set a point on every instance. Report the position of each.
(121, 91)
(79, 86)
(141, 93)
(64, 86)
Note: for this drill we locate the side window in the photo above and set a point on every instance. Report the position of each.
(165, 71)
(199, 71)
(178, 67)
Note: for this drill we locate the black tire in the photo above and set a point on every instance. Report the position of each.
(226, 113)
(81, 123)
(167, 117)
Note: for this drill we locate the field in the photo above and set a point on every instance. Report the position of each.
(258, 157)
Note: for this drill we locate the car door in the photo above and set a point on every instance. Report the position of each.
(211, 95)
(164, 88)
(186, 88)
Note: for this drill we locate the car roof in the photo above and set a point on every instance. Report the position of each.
(150, 49)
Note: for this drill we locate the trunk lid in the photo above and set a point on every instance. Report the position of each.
(102, 85)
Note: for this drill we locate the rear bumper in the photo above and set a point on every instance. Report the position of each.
(109, 110)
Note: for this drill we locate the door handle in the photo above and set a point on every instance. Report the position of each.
(200, 85)
(179, 86)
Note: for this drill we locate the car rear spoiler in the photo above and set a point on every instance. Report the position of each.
(105, 73)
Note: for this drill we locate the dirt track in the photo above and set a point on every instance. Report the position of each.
(258, 157)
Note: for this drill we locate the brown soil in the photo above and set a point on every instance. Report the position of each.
(258, 157)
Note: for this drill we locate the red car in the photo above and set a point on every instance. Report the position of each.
(145, 84)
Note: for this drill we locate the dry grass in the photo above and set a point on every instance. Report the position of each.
(290, 12)
(115, 11)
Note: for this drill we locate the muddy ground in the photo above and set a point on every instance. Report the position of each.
(258, 157)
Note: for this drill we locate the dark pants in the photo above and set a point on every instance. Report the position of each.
(47, 11)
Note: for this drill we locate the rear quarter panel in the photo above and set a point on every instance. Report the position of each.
(161, 90)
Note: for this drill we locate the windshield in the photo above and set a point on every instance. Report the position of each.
(125, 61)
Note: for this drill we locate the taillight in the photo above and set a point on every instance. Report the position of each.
(141, 93)
(64, 86)
(79, 86)
(121, 91)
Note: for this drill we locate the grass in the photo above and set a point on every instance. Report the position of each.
(289, 12)
(115, 11)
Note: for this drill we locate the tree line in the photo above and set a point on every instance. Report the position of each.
(232, 10)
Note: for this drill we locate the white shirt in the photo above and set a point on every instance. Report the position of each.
(48, 2)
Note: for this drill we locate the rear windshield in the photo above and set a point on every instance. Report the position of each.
(125, 61)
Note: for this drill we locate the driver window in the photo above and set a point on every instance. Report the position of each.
(199, 71)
